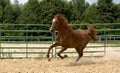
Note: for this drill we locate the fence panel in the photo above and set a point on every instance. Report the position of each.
(26, 41)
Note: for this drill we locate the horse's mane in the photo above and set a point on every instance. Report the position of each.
(63, 20)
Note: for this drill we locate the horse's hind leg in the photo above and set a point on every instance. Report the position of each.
(80, 53)
(62, 50)
(80, 50)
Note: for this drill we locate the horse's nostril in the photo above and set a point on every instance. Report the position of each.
(51, 31)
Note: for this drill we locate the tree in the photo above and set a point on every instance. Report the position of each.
(80, 6)
(29, 12)
(42, 11)
(2, 6)
(17, 10)
(90, 15)
(117, 13)
(106, 10)
(66, 8)
(1, 14)
(8, 13)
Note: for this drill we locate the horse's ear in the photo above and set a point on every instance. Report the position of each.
(58, 16)
(55, 16)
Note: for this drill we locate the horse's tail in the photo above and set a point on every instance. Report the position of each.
(92, 33)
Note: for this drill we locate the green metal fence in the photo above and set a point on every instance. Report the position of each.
(24, 40)
(31, 41)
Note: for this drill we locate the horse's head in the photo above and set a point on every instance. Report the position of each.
(55, 23)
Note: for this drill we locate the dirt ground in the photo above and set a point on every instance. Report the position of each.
(110, 63)
(68, 65)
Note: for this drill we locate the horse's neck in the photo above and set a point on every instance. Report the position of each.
(65, 29)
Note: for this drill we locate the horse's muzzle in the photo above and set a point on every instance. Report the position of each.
(51, 31)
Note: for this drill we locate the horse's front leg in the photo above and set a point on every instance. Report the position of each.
(62, 50)
(53, 45)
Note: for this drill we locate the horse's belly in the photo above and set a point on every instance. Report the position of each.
(70, 43)
(73, 44)
(68, 46)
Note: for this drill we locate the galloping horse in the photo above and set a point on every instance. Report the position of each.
(69, 38)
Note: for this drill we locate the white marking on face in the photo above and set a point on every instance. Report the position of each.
(53, 20)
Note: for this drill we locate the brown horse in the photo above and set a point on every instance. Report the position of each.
(69, 38)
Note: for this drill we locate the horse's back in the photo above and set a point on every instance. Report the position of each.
(77, 38)
(82, 35)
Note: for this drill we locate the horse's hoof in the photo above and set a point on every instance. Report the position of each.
(49, 59)
(65, 56)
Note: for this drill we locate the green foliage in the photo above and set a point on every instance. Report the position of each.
(106, 10)
(29, 12)
(90, 15)
(8, 15)
(117, 13)
(80, 7)
(8, 12)
(42, 11)
(17, 10)
(1, 14)
(2, 4)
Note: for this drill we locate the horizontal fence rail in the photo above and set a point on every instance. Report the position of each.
(33, 40)
(24, 40)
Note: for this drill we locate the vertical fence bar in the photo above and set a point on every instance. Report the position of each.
(54, 49)
(26, 40)
(0, 42)
(52, 42)
(104, 40)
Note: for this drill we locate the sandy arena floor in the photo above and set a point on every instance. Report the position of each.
(68, 65)
(108, 64)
